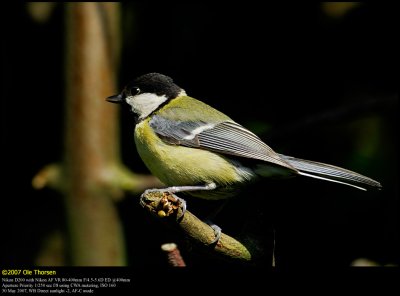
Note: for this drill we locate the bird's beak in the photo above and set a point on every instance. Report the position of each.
(116, 99)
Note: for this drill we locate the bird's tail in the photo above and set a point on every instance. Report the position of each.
(331, 173)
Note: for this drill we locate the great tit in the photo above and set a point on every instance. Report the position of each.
(199, 150)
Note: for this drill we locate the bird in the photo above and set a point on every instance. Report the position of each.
(194, 148)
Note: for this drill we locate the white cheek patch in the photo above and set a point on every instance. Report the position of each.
(144, 104)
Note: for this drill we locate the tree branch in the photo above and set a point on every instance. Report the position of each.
(168, 208)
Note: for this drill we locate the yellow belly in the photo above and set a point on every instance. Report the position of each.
(179, 166)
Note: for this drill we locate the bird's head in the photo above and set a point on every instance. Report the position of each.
(147, 93)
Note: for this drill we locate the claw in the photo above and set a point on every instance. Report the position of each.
(141, 200)
(217, 233)
(183, 204)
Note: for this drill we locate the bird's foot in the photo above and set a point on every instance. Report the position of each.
(168, 204)
(217, 232)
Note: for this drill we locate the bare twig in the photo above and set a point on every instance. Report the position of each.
(167, 207)
(173, 255)
(117, 179)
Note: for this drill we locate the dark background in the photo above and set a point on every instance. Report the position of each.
(311, 85)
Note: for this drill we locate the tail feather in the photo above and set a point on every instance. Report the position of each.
(330, 173)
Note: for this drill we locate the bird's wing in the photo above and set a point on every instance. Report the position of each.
(226, 137)
(331, 173)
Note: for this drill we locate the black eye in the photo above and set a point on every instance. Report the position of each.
(134, 91)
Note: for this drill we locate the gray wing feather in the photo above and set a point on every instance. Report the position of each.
(226, 138)
(231, 138)
(175, 132)
(330, 172)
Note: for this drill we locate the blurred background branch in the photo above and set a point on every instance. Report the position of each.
(92, 176)
(91, 136)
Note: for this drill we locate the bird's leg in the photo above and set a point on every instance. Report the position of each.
(175, 189)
